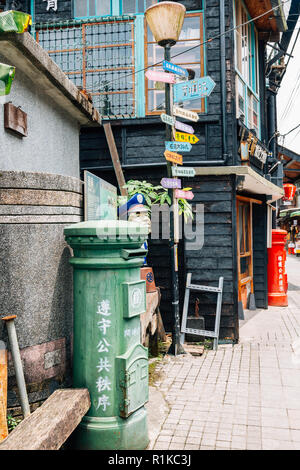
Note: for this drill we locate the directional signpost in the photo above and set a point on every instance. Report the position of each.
(169, 67)
(160, 76)
(168, 119)
(181, 194)
(187, 172)
(178, 146)
(171, 183)
(179, 140)
(184, 127)
(182, 137)
(185, 113)
(193, 89)
(173, 157)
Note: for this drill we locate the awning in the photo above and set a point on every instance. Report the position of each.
(295, 214)
(249, 180)
(289, 212)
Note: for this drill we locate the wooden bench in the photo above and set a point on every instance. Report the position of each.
(48, 427)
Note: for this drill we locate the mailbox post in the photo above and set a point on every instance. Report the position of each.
(108, 357)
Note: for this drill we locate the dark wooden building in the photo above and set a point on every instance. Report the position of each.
(105, 47)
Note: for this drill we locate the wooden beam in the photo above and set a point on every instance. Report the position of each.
(248, 199)
(115, 158)
(48, 427)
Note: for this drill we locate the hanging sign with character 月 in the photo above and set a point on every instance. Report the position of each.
(51, 5)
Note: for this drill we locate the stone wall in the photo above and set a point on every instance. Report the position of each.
(36, 278)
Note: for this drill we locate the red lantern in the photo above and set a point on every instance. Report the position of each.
(289, 191)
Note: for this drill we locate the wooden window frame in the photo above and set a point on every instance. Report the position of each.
(250, 78)
(202, 64)
(86, 70)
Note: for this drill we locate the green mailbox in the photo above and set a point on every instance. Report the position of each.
(108, 357)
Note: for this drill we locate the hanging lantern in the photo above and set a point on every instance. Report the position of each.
(289, 191)
(14, 21)
(7, 74)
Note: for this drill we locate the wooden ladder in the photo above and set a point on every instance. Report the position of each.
(193, 287)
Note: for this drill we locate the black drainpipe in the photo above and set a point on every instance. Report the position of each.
(223, 79)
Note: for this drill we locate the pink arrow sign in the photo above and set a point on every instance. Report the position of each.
(160, 76)
(180, 194)
(184, 127)
(170, 183)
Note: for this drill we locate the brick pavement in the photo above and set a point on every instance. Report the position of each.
(240, 397)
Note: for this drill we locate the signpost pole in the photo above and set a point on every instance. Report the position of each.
(176, 347)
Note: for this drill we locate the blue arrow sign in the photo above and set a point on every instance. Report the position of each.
(193, 89)
(178, 146)
(169, 67)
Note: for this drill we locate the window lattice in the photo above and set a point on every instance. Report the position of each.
(99, 58)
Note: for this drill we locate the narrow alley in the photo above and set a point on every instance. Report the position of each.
(241, 397)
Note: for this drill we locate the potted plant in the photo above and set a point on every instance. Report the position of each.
(153, 195)
(157, 195)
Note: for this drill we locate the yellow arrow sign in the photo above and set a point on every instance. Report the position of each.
(183, 137)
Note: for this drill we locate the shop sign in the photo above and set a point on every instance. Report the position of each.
(251, 149)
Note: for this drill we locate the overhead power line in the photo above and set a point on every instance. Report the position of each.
(194, 47)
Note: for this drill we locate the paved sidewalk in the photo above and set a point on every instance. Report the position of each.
(245, 396)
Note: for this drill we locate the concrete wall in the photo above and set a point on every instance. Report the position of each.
(52, 144)
(36, 281)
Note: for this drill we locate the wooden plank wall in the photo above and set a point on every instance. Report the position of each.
(218, 256)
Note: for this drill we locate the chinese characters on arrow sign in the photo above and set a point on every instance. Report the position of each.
(182, 137)
(178, 146)
(193, 89)
(51, 5)
(173, 157)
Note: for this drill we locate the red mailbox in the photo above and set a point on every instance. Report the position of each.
(277, 278)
